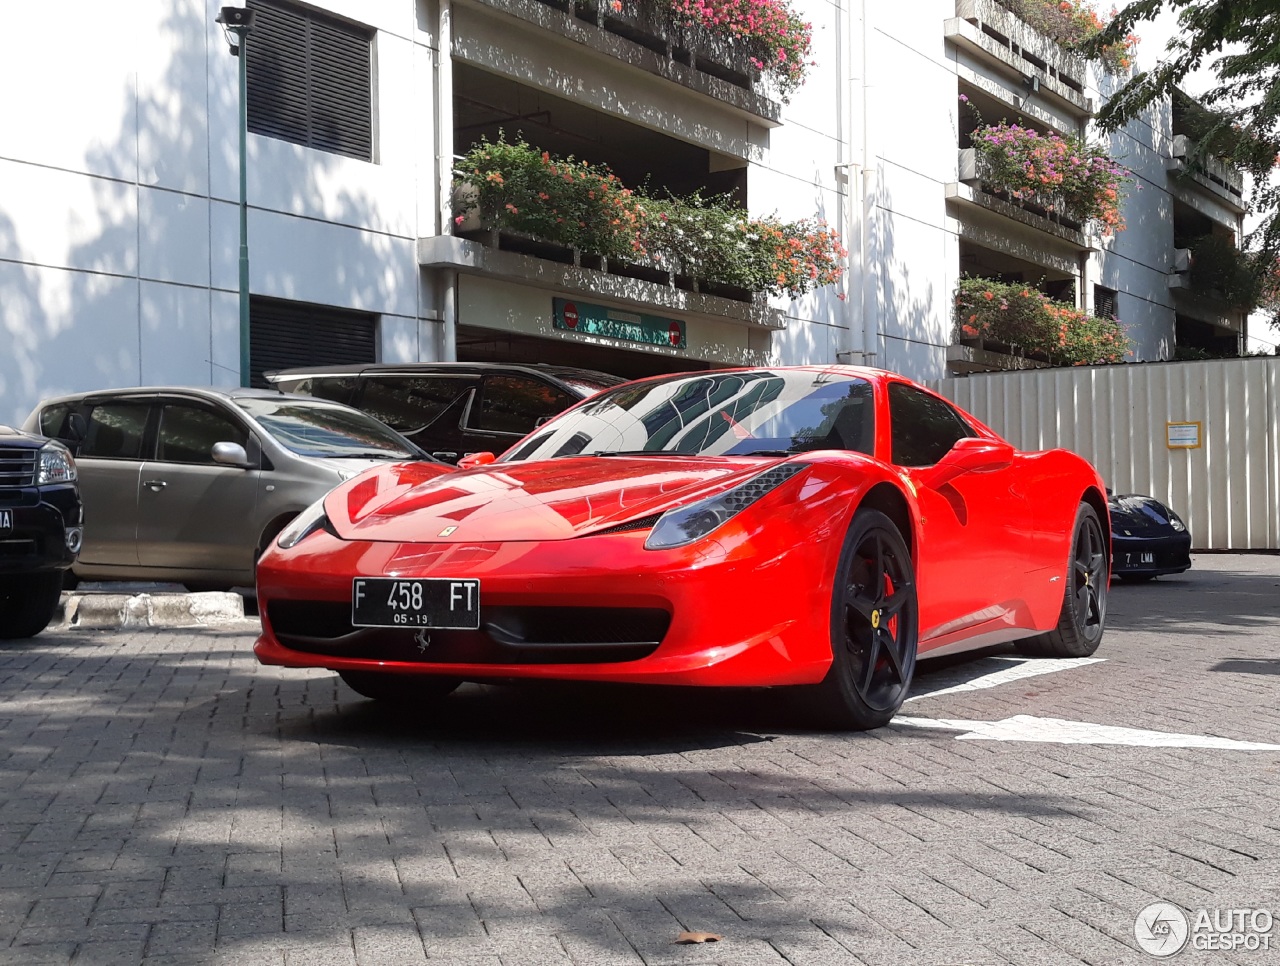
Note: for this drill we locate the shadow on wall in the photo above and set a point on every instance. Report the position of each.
(910, 312)
(150, 294)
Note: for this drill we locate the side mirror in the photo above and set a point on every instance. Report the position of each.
(232, 454)
(973, 454)
(475, 459)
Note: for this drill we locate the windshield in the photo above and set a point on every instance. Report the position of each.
(761, 412)
(324, 429)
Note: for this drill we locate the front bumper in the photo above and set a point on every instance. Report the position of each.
(41, 517)
(737, 609)
(1151, 556)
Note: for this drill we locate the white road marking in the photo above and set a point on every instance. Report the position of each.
(1025, 727)
(1022, 668)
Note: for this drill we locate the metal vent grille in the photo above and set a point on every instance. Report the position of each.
(643, 523)
(746, 494)
(283, 335)
(17, 466)
(310, 79)
(1105, 302)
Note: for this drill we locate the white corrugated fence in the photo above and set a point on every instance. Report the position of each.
(1118, 417)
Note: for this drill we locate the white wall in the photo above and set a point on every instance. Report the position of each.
(119, 234)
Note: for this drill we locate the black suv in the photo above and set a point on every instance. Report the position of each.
(452, 409)
(40, 529)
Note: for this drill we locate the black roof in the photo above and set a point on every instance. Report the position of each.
(560, 373)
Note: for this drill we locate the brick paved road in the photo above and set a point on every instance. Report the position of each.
(163, 799)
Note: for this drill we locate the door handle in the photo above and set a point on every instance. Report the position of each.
(156, 485)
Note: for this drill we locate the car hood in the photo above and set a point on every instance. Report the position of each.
(1133, 515)
(544, 500)
(346, 469)
(19, 439)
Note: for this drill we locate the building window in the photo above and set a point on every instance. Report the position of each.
(1104, 302)
(288, 335)
(310, 79)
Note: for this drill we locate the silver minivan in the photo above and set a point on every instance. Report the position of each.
(192, 484)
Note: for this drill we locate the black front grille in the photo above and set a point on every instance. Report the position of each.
(15, 549)
(507, 635)
(17, 466)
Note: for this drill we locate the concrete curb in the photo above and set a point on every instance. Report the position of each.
(106, 610)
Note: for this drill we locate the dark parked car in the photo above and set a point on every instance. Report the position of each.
(192, 484)
(40, 529)
(452, 409)
(1147, 538)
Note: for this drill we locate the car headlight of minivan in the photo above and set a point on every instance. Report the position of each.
(685, 524)
(303, 525)
(55, 464)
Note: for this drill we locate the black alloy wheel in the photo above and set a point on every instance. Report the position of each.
(874, 627)
(1084, 601)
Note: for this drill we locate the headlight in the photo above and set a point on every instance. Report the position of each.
(686, 524)
(303, 525)
(56, 464)
(1176, 523)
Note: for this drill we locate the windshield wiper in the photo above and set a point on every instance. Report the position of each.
(764, 452)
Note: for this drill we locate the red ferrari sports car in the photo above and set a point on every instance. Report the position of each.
(816, 527)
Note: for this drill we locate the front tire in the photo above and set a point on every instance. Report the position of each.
(398, 688)
(1084, 600)
(874, 628)
(28, 603)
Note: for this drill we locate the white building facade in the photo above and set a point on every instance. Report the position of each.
(119, 189)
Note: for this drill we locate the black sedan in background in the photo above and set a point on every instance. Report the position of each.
(1147, 538)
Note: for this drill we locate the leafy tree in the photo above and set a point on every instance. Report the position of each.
(1240, 40)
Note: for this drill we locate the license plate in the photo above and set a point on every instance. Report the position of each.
(1142, 558)
(435, 602)
(6, 519)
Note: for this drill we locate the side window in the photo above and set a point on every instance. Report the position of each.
(409, 404)
(187, 434)
(116, 431)
(515, 404)
(924, 428)
(52, 419)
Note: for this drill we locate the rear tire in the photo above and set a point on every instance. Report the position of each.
(28, 603)
(1084, 600)
(874, 628)
(398, 688)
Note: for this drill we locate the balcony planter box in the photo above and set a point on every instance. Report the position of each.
(970, 173)
(641, 23)
(977, 355)
(697, 46)
(735, 292)
(515, 241)
(716, 54)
